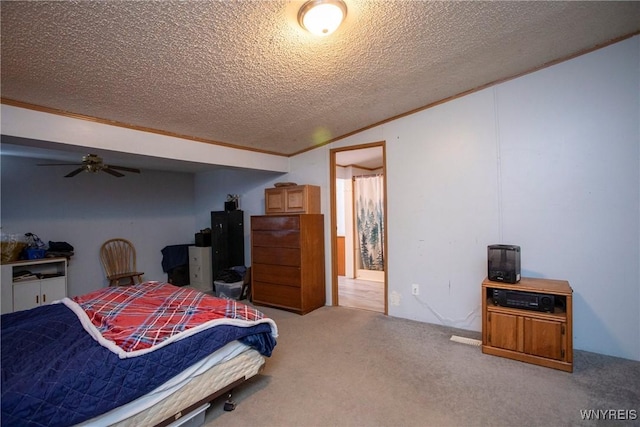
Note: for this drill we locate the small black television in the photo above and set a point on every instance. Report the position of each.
(503, 263)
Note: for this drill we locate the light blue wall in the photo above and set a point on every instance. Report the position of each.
(211, 189)
(153, 210)
(569, 163)
(548, 161)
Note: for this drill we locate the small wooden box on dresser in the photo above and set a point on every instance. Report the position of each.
(541, 338)
(287, 261)
(292, 199)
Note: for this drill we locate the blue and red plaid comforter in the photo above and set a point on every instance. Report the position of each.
(135, 320)
(55, 374)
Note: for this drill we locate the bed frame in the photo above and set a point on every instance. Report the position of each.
(215, 382)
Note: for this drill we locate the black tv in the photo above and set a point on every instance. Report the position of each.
(503, 263)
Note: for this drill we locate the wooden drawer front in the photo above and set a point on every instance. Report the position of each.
(283, 222)
(277, 274)
(283, 296)
(277, 256)
(276, 239)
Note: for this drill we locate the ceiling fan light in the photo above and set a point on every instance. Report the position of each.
(322, 17)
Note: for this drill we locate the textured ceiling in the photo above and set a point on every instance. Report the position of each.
(244, 73)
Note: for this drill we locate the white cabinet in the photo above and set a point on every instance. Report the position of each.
(200, 274)
(31, 283)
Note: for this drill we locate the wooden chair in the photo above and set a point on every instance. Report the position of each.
(118, 257)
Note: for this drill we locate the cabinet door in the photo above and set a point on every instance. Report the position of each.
(219, 241)
(236, 238)
(296, 200)
(6, 289)
(544, 338)
(227, 240)
(26, 295)
(53, 289)
(274, 200)
(503, 330)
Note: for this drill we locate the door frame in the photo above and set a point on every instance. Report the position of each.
(334, 219)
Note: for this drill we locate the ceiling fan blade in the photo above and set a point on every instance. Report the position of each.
(108, 170)
(74, 173)
(59, 164)
(122, 168)
(93, 163)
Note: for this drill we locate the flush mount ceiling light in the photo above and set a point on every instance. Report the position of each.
(322, 17)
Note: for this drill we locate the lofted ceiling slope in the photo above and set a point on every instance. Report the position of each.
(244, 73)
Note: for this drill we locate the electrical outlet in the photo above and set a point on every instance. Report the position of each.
(415, 289)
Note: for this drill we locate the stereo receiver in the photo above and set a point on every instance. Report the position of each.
(526, 300)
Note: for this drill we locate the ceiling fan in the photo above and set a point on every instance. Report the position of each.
(93, 163)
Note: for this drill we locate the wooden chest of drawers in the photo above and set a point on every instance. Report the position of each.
(287, 261)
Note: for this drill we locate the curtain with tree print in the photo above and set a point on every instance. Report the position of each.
(368, 192)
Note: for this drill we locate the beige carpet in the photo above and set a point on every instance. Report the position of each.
(345, 367)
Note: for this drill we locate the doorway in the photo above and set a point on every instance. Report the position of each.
(358, 227)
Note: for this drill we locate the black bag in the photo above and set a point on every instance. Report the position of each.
(60, 247)
(229, 276)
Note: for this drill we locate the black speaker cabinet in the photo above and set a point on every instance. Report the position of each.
(227, 240)
(503, 263)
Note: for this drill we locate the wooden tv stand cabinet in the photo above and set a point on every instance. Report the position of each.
(541, 338)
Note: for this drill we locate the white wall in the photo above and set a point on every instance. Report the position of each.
(548, 161)
(59, 129)
(153, 210)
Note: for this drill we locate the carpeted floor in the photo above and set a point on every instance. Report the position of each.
(346, 367)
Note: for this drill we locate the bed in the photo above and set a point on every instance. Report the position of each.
(129, 356)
